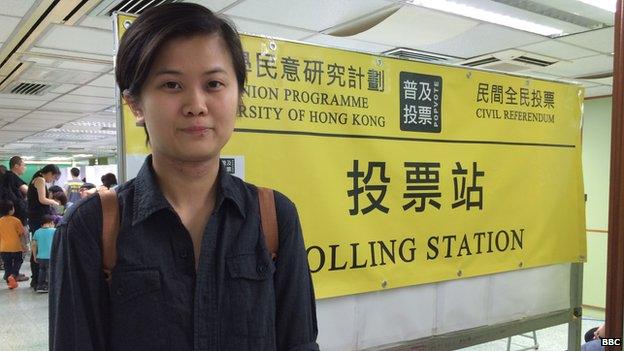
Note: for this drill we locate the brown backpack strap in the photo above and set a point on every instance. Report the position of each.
(110, 229)
(268, 217)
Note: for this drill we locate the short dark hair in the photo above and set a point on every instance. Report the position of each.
(74, 172)
(87, 186)
(5, 207)
(156, 26)
(109, 180)
(14, 161)
(46, 219)
(3, 169)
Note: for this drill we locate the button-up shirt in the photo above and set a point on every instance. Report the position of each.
(237, 299)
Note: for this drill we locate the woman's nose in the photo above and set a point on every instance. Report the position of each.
(194, 103)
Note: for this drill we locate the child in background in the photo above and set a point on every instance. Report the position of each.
(41, 246)
(11, 248)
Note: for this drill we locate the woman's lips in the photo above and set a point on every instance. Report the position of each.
(196, 130)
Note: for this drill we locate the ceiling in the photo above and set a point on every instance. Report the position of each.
(64, 49)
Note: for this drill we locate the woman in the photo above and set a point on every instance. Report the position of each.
(39, 205)
(192, 269)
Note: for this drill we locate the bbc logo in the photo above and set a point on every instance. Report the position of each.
(611, 342)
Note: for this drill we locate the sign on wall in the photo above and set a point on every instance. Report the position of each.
(407, 173)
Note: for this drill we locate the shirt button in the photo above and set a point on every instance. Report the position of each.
(261, 268)
(184, 254)
(119, 291)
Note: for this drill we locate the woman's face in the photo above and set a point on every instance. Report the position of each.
(189, 99)
(49, 177)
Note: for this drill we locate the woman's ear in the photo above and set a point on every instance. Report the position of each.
(135, 106)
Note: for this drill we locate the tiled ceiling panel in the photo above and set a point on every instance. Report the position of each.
(81, 99)
(29, 126)
(424, 23)
(6, 135)
(87, 40)
(7, 25)
(85, 66)
(580, 8)
(213, 5)
(483, 39)
(244, 25)
(106, 81)
(73, 107)
(56, 116)
(315, 15)
(12, 102)
(100, 22)
(64, 88)
(558, 50)
(581, 67)
(346, 43)
(69, 53)
(599, 40)
(95, 91)
(11, 114)
(601, 90)
(44, 97)
(36, 73)
(16, 8)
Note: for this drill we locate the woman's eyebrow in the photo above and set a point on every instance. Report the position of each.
(176, 72)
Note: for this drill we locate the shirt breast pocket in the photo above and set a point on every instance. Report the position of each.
(251, 295)
(136, 310)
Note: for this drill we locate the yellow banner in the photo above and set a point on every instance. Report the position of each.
(406, 173)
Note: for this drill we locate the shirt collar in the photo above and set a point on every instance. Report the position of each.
(148, 197)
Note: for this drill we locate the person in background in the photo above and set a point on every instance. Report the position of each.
(72, 187)
(87, 189)
(14, 189)
(40, 205)
(109, 181)
(3, 170)
(58, 194)
(11, 248)
(41, 246)
(192, 271)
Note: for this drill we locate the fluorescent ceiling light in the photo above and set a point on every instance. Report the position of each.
(82, 155)
(59, 158)
(607, 5)
(487, 16)
(28, 157)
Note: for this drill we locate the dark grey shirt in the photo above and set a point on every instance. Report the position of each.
(238, 299)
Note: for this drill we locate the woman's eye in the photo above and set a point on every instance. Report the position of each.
(171, 85)
(214, 84)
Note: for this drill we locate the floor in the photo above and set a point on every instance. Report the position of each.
(24, 325)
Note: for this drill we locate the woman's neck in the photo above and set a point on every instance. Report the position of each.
(186, 183)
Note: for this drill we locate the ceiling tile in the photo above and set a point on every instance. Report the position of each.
(424, 23)
(72, 107)
(16, 8)
(64, 88)
(84, 40)
(81, 99)
(599, 40)
(106, 81)
(44, 97)
(580, 67)
(95, 91)
(17, 103)
(84, 66)
(346, 43)
(7, 25)
(213, 5)
(56, 116)
(582, 9)
(473, 43)
(69, 53)
(6, 135)
(11, 114)
(558, 50)
(316, 15)
(29, 126)
(601, 90)
(100, 22)
(266, 29)
(36, 73)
